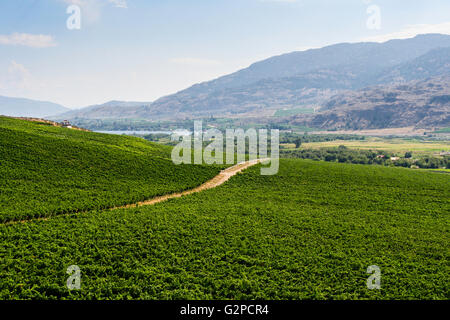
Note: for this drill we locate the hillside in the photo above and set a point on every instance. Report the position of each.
(47, 170)
(432, 64)
(423, 104)
(295, 235)
(112, 109)
(310, 78)
(19, 107)
(294, 80)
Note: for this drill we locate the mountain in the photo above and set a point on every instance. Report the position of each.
(361, 58)
(299, 79)
(19, 107)
(112, 109)
(419, 103)
(434, 63)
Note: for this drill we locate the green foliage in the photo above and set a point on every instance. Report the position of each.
(131, 124)
(443, 130)
(307, 138)
(294, 111)
(47, 170)
(309, 232)
(343, 154)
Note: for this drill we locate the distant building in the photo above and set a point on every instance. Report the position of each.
(66, 124)
(395, 158)
(380, 156)
(445, 153)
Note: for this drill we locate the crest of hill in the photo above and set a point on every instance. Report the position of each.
(48, 170)
(112, 109)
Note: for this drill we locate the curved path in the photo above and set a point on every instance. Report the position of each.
(221, 178)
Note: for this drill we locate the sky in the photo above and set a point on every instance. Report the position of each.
(141, 50)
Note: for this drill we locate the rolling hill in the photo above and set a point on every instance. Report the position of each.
(19, 107)
(309, 232)
(109, 110)
(47, 170)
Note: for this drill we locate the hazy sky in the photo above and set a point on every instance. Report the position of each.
(141, 50)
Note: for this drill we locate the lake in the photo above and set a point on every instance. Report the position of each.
(181, 132)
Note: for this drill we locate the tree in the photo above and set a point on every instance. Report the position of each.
(408, 155)
(298, 143)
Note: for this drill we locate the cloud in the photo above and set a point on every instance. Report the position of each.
(411, 31)
(15, 78)
(28, 40)
(18, 75)
(196, 62)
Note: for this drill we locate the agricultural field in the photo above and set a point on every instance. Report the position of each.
(309, 232)
(394, 145)
(443, 130)
(294, 111)
(47, 170)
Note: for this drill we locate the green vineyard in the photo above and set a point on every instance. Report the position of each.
(309, 232)
(46, 170)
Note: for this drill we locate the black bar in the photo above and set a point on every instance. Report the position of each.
(229, 309)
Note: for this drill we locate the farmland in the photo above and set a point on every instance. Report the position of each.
(290, 112)
(443, 130)
(396, 145)
(46, 170)
(295, 235)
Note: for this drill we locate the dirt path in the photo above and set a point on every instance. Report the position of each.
(221, 178)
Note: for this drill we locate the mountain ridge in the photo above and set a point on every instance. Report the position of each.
(23, 107)
(301, 79)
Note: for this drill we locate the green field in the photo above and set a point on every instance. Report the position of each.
(294, 111)
(309, 232)
(396, 145)
(48, 170)
(443, 130)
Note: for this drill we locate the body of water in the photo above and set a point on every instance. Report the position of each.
(142, 133)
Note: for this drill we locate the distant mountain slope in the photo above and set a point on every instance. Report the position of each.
(434, 63)
(287, 80)
(420, 103)
(19, 107)
(298, 79)
(111, 109)
(359, 57)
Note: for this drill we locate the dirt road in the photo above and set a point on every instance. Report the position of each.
(221, 178)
